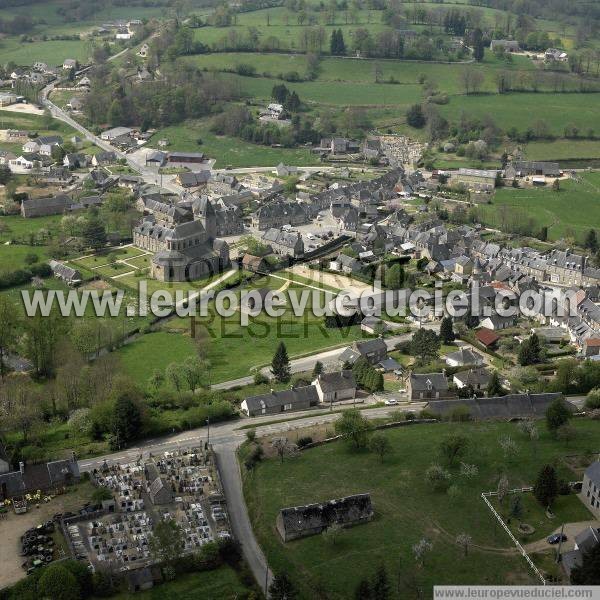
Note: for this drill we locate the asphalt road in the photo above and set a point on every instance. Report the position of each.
(225, 439)
(149, 175)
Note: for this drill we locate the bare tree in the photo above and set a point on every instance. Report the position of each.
(502, 489)
(284, 448)
(464, 540)
(420, 549)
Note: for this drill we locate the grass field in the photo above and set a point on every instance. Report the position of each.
(229, 151)
(521, 110)
(52, 52)
(563, 150)
(569, 212)
(227, 340)
(16, 228)
(406, 509)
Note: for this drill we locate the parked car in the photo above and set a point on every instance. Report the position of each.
(391, 402)
(556, 538)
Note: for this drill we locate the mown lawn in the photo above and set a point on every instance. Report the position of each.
(406, 509)
(569, 212)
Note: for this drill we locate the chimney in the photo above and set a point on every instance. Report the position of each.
(444, 372)
(22, 467)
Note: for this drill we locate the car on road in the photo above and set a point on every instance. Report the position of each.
(391, 402)
(556, 538)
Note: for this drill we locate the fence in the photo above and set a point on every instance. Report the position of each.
(520, 548)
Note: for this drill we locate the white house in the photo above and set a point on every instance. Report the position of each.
(31, 147)
(69, 63)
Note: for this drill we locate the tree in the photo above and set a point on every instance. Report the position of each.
(591, 241)
(425, 345)
(494, 387)
(557, 415)
(127, 416)
(592, 401)
(566, 433)
(282, 588)
(166, 543)
(58, 583)
(354, 427)
(446, 331)
(452, 447)
(381, 588)
(438, 478)
(478, 46)
(464, 540)
(530, 351)
(332, 533)
(280, 365)
(94, 232)
(545, 489)
(516, 507)
(317, 369)
(380, 445)
(115, 112)
(588, 572)
(283, 447)
(415, 116)
(420, 550)
(8, 331)
(394, 277)
(363, 590)
(502, 488)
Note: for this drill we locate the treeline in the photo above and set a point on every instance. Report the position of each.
(237, 121)
(183, 92)
(18, 25)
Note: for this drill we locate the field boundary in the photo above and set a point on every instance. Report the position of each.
(516, 542)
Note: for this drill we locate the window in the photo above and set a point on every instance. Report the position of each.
(287, 407)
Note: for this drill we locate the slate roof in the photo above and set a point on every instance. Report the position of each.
(368, 346)
(334, 382)
(293, 396)
(500, 407)
(422, 382)
(465, 356)
(593, 472)
(474, 377)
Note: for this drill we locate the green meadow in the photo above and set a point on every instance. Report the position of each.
(407, 509)
(568, 212)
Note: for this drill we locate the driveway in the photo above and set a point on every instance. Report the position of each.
(570, 530)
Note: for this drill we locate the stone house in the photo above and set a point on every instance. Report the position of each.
(333, 387)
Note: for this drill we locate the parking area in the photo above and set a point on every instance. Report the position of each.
(13, 526)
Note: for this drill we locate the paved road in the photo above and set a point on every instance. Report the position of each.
(149, 175)
(327, 357)
(225, 439)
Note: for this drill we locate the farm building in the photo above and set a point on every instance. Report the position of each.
(311, 519)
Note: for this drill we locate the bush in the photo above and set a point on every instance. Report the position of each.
(592, 401)
(304, 441)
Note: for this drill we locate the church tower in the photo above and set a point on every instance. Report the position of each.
(206, 214)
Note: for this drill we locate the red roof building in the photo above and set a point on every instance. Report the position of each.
(487, 337)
